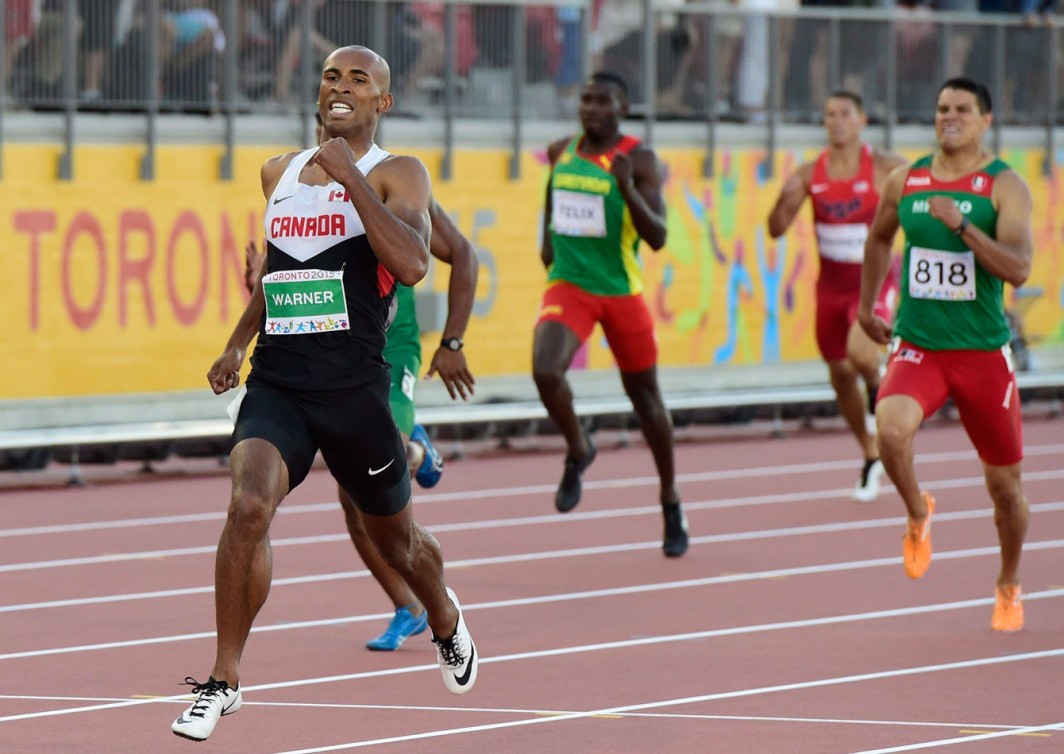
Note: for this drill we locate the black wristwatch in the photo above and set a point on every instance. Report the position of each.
(452, 344)
(959, 230)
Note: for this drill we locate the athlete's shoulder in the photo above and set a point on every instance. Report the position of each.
(887, 161)
(401, 163)
(1008, 180)
(556, 147)
(272, 170)
(278, 163)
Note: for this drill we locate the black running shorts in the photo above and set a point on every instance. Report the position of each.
(353, 428)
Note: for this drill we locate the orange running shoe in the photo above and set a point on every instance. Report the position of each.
(916, 544)
(1008, 612)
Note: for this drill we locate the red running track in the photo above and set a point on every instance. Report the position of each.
(788, 627)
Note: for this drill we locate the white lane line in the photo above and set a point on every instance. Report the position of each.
(845, 526)
(424, 498)
(523, 711)
(647, 641)
(576, 596)
(966, 739)
(770, 499)
(860, 678)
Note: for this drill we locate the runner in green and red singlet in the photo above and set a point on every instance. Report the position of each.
(967, 222)
(603, 198)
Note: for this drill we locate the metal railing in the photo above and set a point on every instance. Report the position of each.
(514, 63)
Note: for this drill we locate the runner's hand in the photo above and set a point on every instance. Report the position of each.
(621, 168)
(336, 158)
(453, 370)
(877, 328)
(225, 372)
(944, 209)
(253, 261)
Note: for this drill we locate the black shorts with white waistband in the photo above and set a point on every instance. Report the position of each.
(353, 428)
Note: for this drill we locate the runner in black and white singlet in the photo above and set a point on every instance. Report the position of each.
(344, 223)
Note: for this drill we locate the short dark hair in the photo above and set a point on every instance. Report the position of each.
(851, 96)
(982, 94)
(606, 77)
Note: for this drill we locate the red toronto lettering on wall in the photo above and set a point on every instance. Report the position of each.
(187, 223)
(34, 223)
(91, 267)
(130, 222)
(84, 223)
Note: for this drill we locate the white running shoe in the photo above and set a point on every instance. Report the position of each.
(214, 699)
(458, 655)
(867, 488)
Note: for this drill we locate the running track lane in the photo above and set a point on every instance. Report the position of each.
(789, 626)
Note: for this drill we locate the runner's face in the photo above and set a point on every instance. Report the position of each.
(601, 109)
(958, 122)
(843, 121)
(350, 97)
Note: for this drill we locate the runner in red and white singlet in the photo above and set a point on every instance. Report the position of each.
(844, 184)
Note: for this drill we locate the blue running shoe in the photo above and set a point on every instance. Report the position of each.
(403, 625)
(431, 469)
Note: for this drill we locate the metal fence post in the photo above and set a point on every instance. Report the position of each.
(3, 84)
(709, 28)
(70, 87)
(306, 77)
(999, 82)
(1051, 100)
(891, 122)
(229, 86)
(650, 69)
(773, 95)
(151, 139)
(517, 31)
(450, 71)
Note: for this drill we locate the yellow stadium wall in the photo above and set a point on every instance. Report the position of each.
(117, 285)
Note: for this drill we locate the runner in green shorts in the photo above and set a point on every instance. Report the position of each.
(403, 352)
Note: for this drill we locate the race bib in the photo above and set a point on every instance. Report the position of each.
(842, 242)
(577, 214)
(299, 302)
(941, 275)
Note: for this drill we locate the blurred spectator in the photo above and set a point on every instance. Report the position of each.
(1036, 12)
(917, 43)
(860, 58)
(191, 40)
(98, 39)
(753, 82)
(18, 30)
(492, 31)
(620, 37)
(95, 31)
(570, 64)
(287, 27)
(424, 27)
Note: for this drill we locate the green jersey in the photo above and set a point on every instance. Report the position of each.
(403, 333)
(591, 230)
(949, 301)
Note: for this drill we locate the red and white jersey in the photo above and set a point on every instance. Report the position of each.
(842, 212)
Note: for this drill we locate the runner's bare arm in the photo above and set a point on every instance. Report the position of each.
(792, 195)
(877, 256)
(450, 246)
(1008, 256)
(546, 249)
(393, 202)
(640, 179)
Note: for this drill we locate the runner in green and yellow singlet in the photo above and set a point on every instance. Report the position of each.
(967, 222)
(603, 198)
